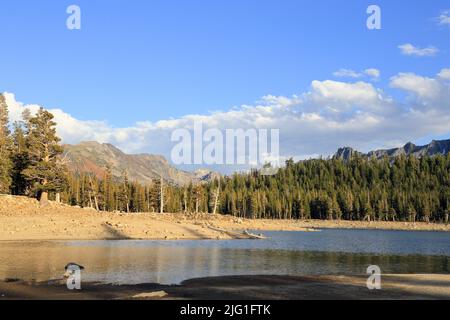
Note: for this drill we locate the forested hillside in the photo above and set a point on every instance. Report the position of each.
(406, 188)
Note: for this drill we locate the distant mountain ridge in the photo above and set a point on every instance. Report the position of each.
(435, 147)
(94, 157)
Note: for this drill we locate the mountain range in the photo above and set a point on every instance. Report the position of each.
(431, 149)
(94, 157)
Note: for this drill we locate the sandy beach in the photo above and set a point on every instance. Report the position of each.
(394, 287)
(24, 219)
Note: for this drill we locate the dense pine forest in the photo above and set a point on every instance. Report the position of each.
(32, 163)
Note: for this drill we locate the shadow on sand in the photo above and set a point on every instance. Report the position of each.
(114, 234)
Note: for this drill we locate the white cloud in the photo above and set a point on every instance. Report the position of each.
(374, 73)
(331, 114)
(444, 74)
(342, 94)
(410, 50)
(280, 100)
(348, 73)
(444, 18)
(421, 86)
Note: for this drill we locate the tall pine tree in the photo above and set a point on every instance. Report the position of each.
(45, 172)
(5, 148)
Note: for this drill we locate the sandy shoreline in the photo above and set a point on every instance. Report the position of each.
(23, 219)
(394, 287)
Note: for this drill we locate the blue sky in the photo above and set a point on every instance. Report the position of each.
(153, 60)
(161, 59)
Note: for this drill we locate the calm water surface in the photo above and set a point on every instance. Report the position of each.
(285, 253)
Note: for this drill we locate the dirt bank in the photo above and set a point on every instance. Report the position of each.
(23, 219)
(310, 225)
(426, 286)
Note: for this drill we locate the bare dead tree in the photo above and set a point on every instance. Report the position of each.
(92, 193)
(216, 200)
(185, 200)
(161, 194)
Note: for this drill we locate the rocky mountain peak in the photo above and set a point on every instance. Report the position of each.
(435, 147)
(94, 157)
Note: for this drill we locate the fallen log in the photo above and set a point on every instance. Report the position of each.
(237, 235)
(254, 236)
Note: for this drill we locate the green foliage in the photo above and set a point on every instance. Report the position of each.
(407, 189)
(20, 160)
(403, 189)
(30, 157)
(45, 171)
(5, 148)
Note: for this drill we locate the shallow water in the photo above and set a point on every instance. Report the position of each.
(285, 253)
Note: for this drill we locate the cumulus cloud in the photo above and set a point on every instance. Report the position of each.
(421, 86)
(329, 115)
(444, 18)
(347, 73)
(343, 93)
(409, 50)
(373, 73)
(444, 74)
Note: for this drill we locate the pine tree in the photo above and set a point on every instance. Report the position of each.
(392, 214)
(45, 172)
(154, 195)
(5, 148)
(198, 197)
(107, 190)
(411, 213)
(20, 160)
(446, 215)
(426, 211)
(124, 195)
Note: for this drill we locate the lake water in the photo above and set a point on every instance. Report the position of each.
(285, 253)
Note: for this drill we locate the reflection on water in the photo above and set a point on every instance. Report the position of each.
(286, 253)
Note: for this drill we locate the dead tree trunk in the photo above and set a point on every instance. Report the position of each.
(216, 200)
(44, 198)
(185, 201)
(93, 194)
(162, 195)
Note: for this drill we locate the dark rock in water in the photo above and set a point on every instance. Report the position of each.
(72, 264)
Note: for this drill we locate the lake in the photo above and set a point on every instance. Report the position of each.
(285, 253)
